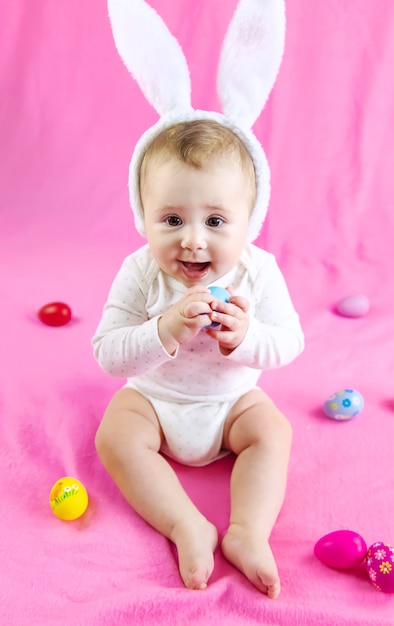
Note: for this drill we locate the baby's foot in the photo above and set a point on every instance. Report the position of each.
(253, 558)
(195, 544)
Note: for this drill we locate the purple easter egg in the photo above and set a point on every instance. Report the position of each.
(356, 305)
(380, 566)
(341, 549)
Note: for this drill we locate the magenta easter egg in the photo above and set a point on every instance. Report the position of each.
(380, 566)
(341, 549)
(55, 314)
(356, 305)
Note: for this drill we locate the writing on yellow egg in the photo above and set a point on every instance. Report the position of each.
(65, 492)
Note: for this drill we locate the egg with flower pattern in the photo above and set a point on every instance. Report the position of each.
(380, 566)
(344, 405)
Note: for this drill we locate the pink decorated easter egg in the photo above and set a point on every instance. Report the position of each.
(356, 305)
(380, 566)
(341, 549)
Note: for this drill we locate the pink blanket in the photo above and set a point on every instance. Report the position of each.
(70, 115)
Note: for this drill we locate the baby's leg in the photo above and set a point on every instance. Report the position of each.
(260, 436)
(128, 442)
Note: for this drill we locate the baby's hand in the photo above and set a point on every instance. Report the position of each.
(184, 320)
(234, 320)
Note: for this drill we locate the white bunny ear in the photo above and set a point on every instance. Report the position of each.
(250, 58)
(151, 54)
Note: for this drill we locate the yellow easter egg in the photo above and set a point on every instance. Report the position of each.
(68, 498)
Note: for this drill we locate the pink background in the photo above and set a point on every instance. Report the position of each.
(70, 115)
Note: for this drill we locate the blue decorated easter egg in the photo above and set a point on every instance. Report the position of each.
(344, 405)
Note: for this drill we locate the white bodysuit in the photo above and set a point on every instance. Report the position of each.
(193, 389)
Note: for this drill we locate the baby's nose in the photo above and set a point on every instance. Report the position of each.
(193, 238)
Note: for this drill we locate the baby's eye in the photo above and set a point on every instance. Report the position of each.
(214, 221)
(173, 220)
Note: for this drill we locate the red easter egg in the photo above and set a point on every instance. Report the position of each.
(341, 549)
(380, 566)
(55, 314)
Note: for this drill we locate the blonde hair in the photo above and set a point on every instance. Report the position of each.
(196, 143)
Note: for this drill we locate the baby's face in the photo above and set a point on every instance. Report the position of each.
(196, 220)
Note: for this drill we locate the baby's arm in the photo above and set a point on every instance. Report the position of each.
(127, 343)
(270, 338)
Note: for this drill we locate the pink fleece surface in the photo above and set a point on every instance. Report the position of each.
(70, 115)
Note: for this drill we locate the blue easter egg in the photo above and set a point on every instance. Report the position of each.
(220, 294)
(344, 405)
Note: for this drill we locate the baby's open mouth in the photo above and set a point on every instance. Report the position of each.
(195, 267)
(195, 270)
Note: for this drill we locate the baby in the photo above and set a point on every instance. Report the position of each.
(191, 392)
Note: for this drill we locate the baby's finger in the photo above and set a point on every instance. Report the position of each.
(199, 288)
(193, 308)
(227, 308)
(240, 302)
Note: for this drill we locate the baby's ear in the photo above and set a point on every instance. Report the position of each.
(250, 58)
(152, 55)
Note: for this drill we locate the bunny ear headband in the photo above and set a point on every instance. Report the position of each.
(250, 57)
